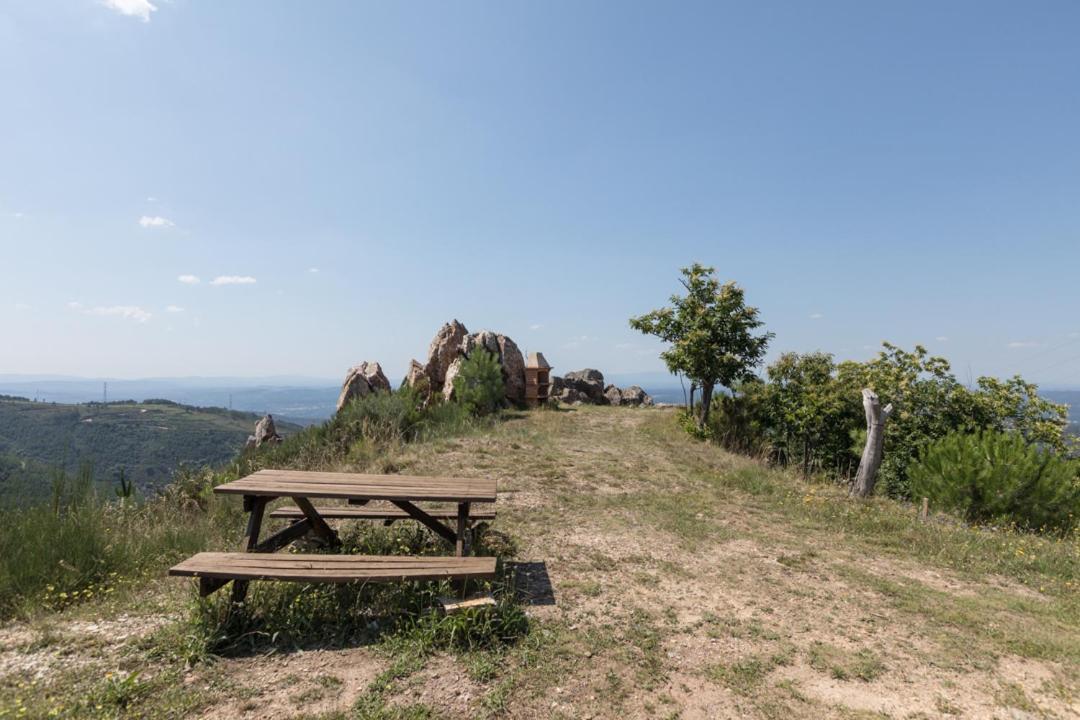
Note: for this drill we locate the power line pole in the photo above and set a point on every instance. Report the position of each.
(104, 393)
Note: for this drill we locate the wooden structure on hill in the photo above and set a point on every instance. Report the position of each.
(537, 379)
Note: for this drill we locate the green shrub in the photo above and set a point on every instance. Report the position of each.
(478, 385)
(808, 412)
(994, 477)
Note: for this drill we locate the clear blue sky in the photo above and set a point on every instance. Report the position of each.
(906, 171)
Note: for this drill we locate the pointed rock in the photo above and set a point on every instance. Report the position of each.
(365, 378)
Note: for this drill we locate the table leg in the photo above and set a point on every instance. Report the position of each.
(462, 545)
(436, 527)
(255, 506)
(321, 528)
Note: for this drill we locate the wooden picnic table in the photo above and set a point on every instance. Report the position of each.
(403, 491)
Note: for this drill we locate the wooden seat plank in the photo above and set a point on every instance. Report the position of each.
(332, 568)
(363, 513)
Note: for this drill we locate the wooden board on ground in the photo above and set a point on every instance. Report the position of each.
(452, 605)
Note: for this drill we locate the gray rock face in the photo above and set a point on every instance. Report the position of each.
(613, 395)
(416, 377)
(451, 373)
(454, 342)
(587, 386)
(444, 349)
(265, 432)
(513, 369)
(635, 396)
(589, 382)
(365, 378)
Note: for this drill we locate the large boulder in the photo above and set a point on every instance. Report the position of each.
(590, 382)
(365, 378)
(513, 369)
(265, 432)
(444, 349)
(454, 342)
(509, 357)
(416, 377)
(451, 373)
(613, 395)
(635, 396)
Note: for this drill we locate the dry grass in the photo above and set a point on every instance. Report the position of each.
(688, 583)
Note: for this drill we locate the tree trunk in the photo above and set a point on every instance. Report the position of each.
(875, 443)
(706, 404)
(693, 389)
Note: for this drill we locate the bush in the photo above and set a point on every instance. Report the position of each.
(479, 384)
(995, 477)
(809, 412)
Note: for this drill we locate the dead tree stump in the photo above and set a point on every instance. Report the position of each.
(875, 444)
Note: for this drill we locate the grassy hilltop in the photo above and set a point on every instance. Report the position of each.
(148, 440)
(643, 574)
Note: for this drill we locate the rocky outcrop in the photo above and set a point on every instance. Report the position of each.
(588, 383)
(443, 350)
(265, 432)
(453, 343)
(635, 396)
(587, 387)
(513, 369)
(416, 377)
(451, 373)
(613, 395)
(362, 380)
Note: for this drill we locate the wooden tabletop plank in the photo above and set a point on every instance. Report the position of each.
(298, 483)
(332, 568)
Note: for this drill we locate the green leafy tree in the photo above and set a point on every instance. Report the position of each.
(711, 334)
(811, 415)
(479, 383)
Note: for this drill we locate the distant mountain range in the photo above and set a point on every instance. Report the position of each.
(298, 399)
(148, 441)
(292, 398)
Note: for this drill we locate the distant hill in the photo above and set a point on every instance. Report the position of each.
(297, 399)
(149, 440)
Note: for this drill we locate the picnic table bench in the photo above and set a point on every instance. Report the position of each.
(214, 570)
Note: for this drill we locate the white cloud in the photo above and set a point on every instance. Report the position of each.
(189, 279)
(942, 338)
(625, 346)
(1023, 344)
(128, 312)
(816, 316)
(535, 327)
(148, 221)
(313, 270)
(151, 199)
(233, 280)
(132, 8)
(174, 309)
(17, 215)
(21, 306)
